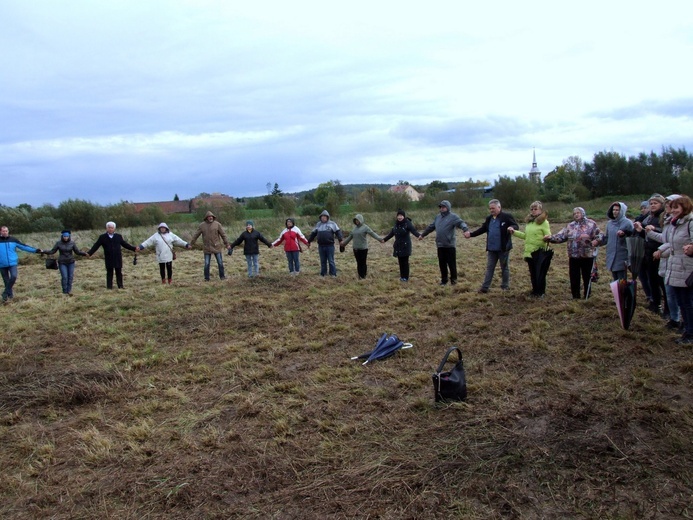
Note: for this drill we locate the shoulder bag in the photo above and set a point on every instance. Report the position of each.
(450, 385)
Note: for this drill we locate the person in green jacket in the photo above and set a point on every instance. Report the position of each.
(360, 237)
(535, 247)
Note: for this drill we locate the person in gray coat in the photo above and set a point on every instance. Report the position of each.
(360, 237)
(444, 225)
(617, 229)
(66, 259)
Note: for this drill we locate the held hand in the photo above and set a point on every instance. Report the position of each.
(637, 226)
(620, 233)
(137, 249)
(547, 238)
(657, 255)
(595, 243)
(511, 230)
(467, 234)
(649, 228)
(421, 237)
(688, 249)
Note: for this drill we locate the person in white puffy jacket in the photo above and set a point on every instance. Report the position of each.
(163, 241)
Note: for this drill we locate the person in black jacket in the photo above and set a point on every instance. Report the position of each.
(112, 243)
(498, 243)
(251, 248)
(402, 247)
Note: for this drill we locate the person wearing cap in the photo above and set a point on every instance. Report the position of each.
(360, 237)
(9, 260)
(444, 225)
(654, 221)
(401, 248)
(251, 249)
(325, 231)
(163, 241)
(66, 259)
(213, 240)
(292, 237)
(112, 244)
(498, 243)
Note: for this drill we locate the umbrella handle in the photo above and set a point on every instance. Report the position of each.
(406, 345)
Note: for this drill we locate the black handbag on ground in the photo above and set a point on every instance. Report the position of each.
(451, 385)
(51, 263)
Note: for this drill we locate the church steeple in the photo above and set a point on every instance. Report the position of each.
(534, 173)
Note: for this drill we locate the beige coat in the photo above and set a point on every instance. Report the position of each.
(679, 265)
(213, 237)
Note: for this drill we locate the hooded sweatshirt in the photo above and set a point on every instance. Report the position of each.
(359, 234)
(616, 250)
(213, 235)
(325, 232)
(444, 225)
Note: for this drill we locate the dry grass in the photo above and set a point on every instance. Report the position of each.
(237, 399)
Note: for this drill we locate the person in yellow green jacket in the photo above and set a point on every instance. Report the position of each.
(535, 247)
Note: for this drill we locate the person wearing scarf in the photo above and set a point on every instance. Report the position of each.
(579, 235)
(533, 235)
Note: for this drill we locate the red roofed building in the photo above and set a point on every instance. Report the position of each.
(413, 195)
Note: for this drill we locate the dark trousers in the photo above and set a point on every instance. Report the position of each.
(651, 267)
(361, 256)
(684, 297)
(109, 277)
(403, 267)
(538, 282)
(579, 268)
(447, 260)
(166, 268)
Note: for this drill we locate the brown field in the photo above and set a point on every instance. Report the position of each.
(237, 398)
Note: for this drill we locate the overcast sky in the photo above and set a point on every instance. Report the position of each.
(140, 100)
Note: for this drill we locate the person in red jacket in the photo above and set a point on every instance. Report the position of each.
(292, 238)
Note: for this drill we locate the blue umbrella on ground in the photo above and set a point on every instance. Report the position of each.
(384, 348)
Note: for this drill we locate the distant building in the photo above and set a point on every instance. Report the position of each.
(413, 195)
(215, 200)
(534, 173)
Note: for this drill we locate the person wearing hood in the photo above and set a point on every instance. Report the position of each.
(677, 238)
(654, 220)
(66, 259)
(401, 249)
(444, 225)
(617, 229)
(360, 237)
(579, 235)
(292, 238)
(213, 241)
(9, 260)
(112, 244)
(533, 235)
(325, 232)
(163, 241)
(498, 243)
(251, 249)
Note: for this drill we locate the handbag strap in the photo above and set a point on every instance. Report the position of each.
(447, 355)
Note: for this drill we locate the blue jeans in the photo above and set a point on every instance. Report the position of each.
(253, 265)
(294, 263)
(327, 257)
(9, 277)
(672, 303)
(220, 263)
(492, 258)
(67, 274)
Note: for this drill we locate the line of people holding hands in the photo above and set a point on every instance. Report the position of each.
(665, 225)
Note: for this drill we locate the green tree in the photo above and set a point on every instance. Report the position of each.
(175, 197)
(564, 183)
(435, 187)
(515, 193)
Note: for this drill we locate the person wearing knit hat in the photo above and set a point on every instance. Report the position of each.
(66, 259)
(292, 238)
(401, 249)
(251, 249)
(163, 241)
(650, 264)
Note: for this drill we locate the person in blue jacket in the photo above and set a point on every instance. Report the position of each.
(9, 260)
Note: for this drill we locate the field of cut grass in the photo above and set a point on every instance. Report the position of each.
(237, 398)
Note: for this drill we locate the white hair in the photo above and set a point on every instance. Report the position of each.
(111, 223)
